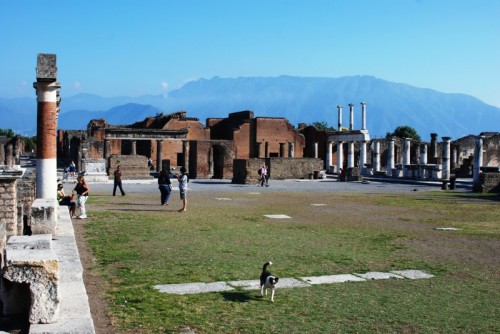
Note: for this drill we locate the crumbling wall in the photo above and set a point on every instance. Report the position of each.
(133, 167)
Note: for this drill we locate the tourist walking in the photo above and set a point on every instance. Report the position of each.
(165, 186)
(264, 177)
(72, 169)
(118, 181)
(66, 200)
(82, 190)
(183, 181)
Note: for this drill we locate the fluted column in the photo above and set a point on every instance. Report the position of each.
(406, 151)
(315, 150)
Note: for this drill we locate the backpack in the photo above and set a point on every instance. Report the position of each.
(260, 171)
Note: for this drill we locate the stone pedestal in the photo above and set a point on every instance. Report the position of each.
(31, 279)
(44, 216)
(95, 170)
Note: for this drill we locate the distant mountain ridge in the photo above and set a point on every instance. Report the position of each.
(298, 99)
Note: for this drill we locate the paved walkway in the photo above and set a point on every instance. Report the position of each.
(300, 282)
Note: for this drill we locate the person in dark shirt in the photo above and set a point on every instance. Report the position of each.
(118, 181)
(165, 186)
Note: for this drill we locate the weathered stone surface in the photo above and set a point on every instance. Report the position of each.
(328, 279)
(43, 216)
(413, 274)
(39, 269)
(190, 288)
(39, 241)
(278, 216)
(377, 275)
(46, 69)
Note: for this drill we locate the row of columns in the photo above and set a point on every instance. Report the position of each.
(350, 145)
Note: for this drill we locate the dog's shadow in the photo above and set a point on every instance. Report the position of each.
(239, 296)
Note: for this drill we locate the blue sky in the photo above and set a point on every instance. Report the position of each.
(132, 48)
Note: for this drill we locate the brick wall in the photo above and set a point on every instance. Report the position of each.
(488, 183)
(245, 171)
(133, 167)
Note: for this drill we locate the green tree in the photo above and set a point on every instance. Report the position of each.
(323, 126)
(8, 133)
(404, 131)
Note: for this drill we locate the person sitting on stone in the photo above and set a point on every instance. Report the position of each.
(66, 200)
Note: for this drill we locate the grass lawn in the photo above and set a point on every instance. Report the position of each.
(138, 244)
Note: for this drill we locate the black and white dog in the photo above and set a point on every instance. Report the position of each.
(267, 281)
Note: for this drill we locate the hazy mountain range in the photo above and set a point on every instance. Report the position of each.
(299, 99)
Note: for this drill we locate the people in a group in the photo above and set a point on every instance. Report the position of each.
(72, 170)
(264, 176)
(118, 181)
(183, 181)
(82, 190)
(165, 186)
(66, 200)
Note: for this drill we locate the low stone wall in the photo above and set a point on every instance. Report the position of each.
(488, 183)
(133, 167)
(245, 171)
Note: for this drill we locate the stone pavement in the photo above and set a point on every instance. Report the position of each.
(300, 282)
(74, 316)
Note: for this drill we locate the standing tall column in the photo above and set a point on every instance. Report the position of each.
(351, 116)
(376, 156)
(363, 115)
(266, 149)
(390, 158)
(47, 107)
(329, 157)
(423, 154)
(185, 153)
(159, 154)
(316, 150)
(433, 150)
(291, 150)
(406, 151)
(339, 108)
(134, 147)
(340, 156)
(350, 154)
(362, 157)
(446, 158)
(478, 158)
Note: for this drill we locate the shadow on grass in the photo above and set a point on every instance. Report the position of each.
(239, 297)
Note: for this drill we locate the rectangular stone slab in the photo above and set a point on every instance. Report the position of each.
(378, 275)
(413, 274)
(328, 279)
(37, 241)
(190, 288)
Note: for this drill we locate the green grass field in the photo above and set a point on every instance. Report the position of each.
(138, 245)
